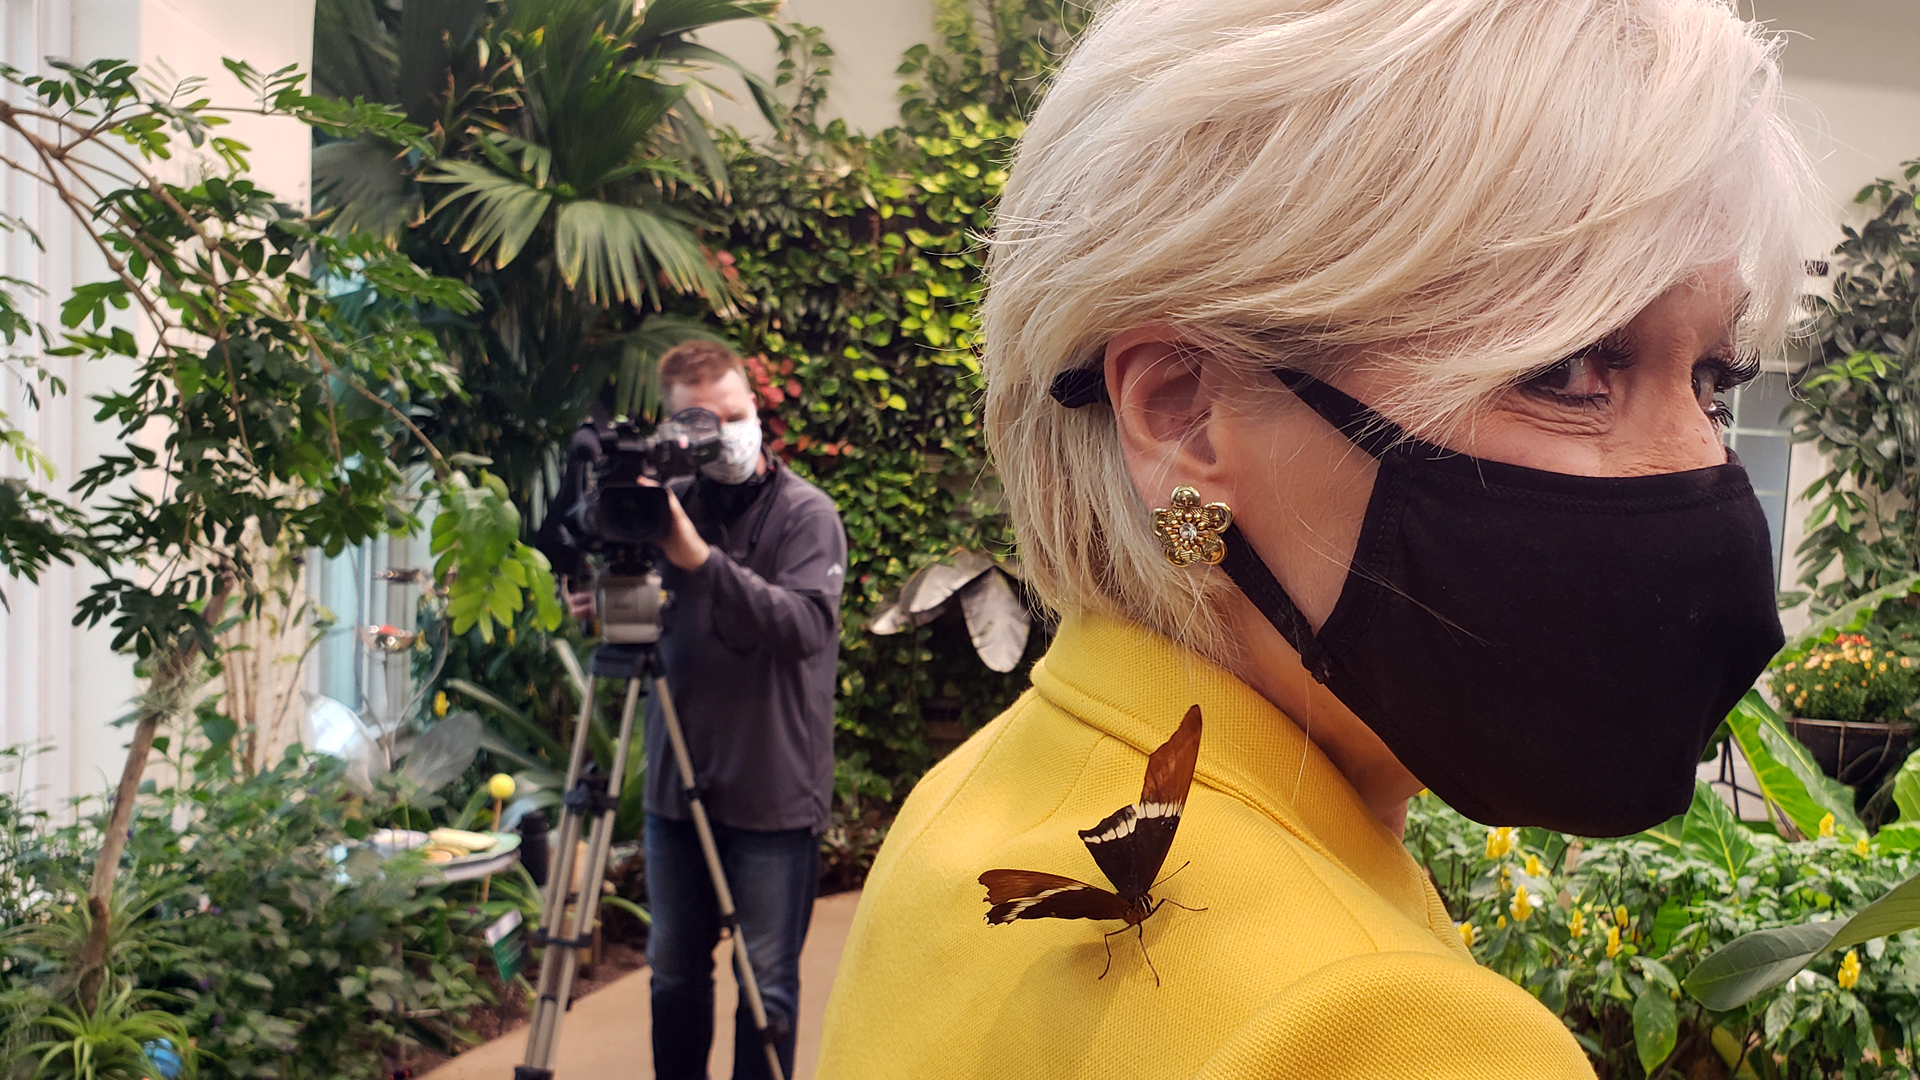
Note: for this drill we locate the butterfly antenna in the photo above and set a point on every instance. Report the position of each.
(1180, 905)
(1169, 877)
(1140, 931)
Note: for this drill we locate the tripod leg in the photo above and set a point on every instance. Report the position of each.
(560, 957)
(743, 966)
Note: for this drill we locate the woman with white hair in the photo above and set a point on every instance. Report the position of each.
(1352, 370)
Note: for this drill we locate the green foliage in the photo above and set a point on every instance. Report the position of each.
(1852, 679)
(1857, 404)
(249, 920)
(477, 532)
(1609, 924)
(565, 177)
(859, 261)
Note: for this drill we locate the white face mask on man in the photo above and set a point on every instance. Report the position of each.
(739, 452)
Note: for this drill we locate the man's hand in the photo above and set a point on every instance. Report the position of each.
(682, 546)
(579, 601)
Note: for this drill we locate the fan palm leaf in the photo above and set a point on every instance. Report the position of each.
(497, 214)
(611, 252)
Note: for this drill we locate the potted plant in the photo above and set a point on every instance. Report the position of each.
(1847, 702)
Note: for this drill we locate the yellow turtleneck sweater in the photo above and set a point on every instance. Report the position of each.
(1323, 951)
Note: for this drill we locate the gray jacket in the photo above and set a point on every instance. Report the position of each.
(751, 646)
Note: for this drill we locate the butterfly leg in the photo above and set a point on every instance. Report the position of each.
(1107, 940)
(1140, 931)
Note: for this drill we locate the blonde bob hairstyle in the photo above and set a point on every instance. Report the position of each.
(1464, 191)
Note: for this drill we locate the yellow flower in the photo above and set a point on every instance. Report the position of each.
(1906, 661)
(500, 786)
(440, 703)
(1790, 666)
(1468, 935)
(1791, 688)
(1506, 879)
(1500, 923)
(1861, 848)
(1499, 842)
(1801, 701)
(1533, 866)
(1819, 686)
(1620, 916)
(1883, 665)
(1613, 941)
(1849, 972)
(1826, 825)
(1522, 905)
(1576, 923)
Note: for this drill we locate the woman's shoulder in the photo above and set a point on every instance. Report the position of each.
(1274, 922)
(1400, 1014)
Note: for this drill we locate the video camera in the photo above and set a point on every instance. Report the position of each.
(609, 512)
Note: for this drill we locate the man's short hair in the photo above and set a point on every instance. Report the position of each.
(697, 363)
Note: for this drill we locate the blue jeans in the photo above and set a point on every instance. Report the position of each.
(773, 876)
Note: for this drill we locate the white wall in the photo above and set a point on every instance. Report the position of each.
(868, 39)
(61, 687)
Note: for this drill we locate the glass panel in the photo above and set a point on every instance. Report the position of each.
(1758, 404)
(1765, 457)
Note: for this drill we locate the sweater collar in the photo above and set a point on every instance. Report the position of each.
(1135, 685)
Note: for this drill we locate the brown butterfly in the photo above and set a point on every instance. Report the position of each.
(1129, 847)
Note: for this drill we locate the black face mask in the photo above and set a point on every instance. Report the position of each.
(1537, 648)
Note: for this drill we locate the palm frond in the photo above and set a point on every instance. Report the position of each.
(497, 214)
(365, 184)
(691, 54)
(665, 19)
(611, 252)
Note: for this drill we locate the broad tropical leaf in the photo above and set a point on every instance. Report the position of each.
(499, 213)
(1752, 964)
(1786, 773)
(1711, 829)
(610, 251)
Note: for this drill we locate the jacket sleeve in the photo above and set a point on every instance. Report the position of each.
(796, 613)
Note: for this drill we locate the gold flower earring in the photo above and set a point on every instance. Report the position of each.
(1190, 532)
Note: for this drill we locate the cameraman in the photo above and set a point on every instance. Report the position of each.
(757, 559)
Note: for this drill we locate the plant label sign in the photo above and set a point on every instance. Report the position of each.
(508, 944)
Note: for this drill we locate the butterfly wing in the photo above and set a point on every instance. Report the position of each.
(1030, 894)
(1131, 845)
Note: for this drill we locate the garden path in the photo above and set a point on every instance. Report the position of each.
(606, 1034)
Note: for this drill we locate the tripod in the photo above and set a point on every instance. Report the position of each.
(590, 794)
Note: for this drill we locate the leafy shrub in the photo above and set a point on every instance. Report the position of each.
(1851, 680)
(1856, 404)
(249, 913)
(1602, 932)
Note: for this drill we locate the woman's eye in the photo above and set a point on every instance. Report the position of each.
(1709, 381)
(1579, 377)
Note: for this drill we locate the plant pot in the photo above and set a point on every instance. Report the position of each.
(1859, 753)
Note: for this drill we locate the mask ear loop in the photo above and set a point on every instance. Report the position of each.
(1306, 730)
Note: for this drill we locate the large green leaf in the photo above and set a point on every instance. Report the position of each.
(1752, 964)
(1786, 773)
(1656, 1026)
(1906, 789)
(1711, 829)
(497, 213)
(609, 251)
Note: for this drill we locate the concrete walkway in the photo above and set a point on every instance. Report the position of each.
(605, 1035)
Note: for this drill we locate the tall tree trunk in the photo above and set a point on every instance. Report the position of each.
(168, 673)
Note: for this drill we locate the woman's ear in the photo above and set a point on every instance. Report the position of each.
(1163, 405)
